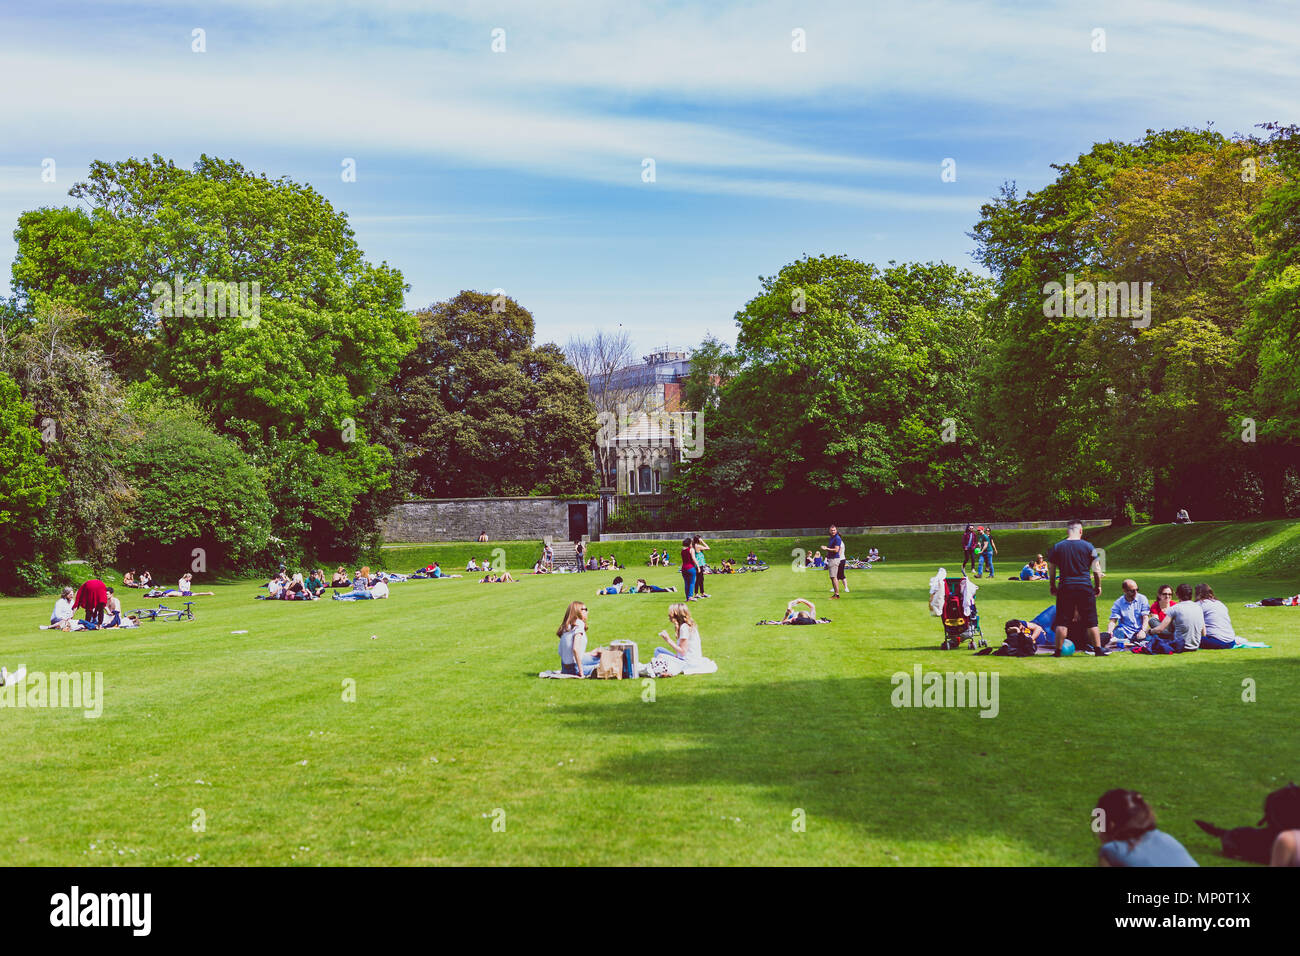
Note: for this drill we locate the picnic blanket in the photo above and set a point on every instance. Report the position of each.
(559, 675)
(820, 620)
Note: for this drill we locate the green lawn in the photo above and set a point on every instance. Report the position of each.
(451, 725)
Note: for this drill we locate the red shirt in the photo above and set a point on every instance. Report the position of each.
(688, 558)
(1159, 611)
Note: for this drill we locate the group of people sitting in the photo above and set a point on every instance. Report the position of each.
(184, 586)
(681, 653)
(1035, 570)
(660, 559)
(365, 585)
(100, 605)
(1194, 620)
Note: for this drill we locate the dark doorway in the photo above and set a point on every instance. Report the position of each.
(577, 522)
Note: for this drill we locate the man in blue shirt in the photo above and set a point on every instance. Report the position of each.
(1075, 560)
(1128, 615)
(834, 555)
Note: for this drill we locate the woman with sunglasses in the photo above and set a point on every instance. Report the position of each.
(572, 633)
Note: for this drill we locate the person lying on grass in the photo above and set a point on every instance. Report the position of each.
(572, 633)
(503, 578)
(805, 616)
(643, 588)
(186, 582)
(615, 588)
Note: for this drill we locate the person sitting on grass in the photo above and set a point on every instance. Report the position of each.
(146, 579)
(1035, 570)
(275, 586)
(340, 578)
(63, 609)
(1164, 601)
(296, 590)
(360, 591)
(112, 611)
(1129, 836)
(186, 582)
(683, 655)
(315, 583)
(654, 560)
(1184, 621)
(1182, 517)
(128, 580)
(472, 565)
(643, 588)
(1129, 613)
(615, 588)
(1219, 634)
(751, 558)
(873, 556)
(574, 659)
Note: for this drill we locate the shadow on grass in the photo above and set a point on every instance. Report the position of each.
(983, 788)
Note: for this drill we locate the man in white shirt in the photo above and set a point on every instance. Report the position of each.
(380, 588)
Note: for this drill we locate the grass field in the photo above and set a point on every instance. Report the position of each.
(451, 732)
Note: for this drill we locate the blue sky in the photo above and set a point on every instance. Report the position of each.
(522, 169)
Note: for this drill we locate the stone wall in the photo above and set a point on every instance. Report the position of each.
(504, 519)
(866, 529)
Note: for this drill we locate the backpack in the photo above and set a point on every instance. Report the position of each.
(952, 608)
(1017, 645)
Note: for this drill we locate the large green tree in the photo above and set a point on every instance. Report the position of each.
(157, 263)
(848, 391)
(478, 409)
(28, 484)
(1060, 393)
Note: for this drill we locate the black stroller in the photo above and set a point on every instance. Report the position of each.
(958, 626)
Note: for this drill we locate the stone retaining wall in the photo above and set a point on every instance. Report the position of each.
(865, 529)
(504, 519)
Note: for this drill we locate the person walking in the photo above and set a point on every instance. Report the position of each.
(984, 551)
(582, 555)
(1076, 561)
(834, 557)
(968, 547)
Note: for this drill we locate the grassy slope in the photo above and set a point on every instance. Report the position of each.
(450, 723)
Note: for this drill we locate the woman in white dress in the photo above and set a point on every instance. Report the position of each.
(685, 656)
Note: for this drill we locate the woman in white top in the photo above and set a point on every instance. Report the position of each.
(63, 607)
(686, 645)
(573, 642)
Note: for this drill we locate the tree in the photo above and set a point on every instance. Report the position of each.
(80, 409)
(28, 546)
(250, 297)
(485, 412)
(1044, 395)
(601, 359)
(848, 392)
(195, 490)
(1270, 407)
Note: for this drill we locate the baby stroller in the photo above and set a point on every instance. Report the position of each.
(958, 626)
